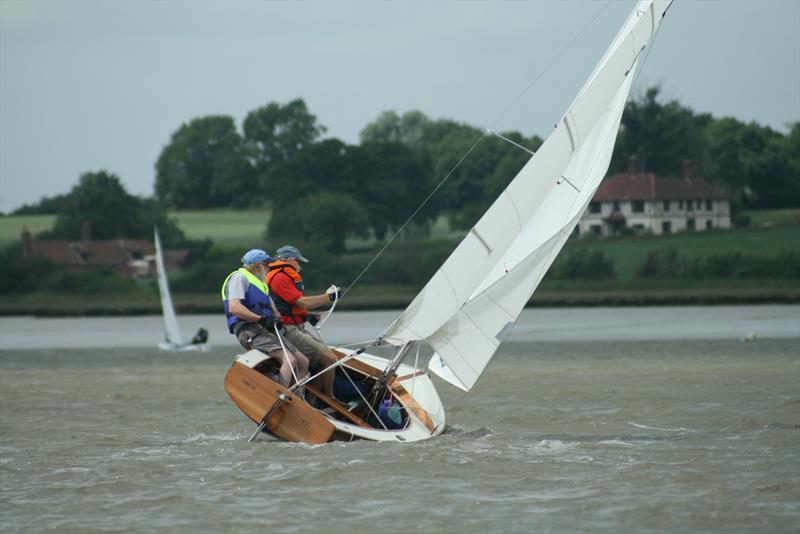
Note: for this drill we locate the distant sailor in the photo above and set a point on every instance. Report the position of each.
(286, 287)
(253, 318)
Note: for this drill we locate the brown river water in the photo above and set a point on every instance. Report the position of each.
(640, 420)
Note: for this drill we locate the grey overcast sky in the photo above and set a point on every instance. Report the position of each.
(94, 85)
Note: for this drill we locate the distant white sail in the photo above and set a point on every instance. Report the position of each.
(173, 333)
(470, 305)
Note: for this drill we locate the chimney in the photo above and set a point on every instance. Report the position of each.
(687, 168)
(633, 164)
(86, 232)
(27, 244)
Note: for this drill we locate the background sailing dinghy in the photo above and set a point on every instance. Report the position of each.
(173, 341)
(470, 305)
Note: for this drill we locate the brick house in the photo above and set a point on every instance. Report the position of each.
(128, 256)
(637, 201)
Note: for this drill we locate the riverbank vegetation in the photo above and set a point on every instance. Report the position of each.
(736, 266)
(221, 189)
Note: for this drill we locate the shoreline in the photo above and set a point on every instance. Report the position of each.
(534, 325)
(139, 305)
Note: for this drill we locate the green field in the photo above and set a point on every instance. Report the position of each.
(628, 252)
(243, 227)
(768, 218)
(226, 226)
(11, 226)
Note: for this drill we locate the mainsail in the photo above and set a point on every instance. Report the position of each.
(471, 303)
(172, 332)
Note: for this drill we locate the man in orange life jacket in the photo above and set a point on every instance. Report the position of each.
(286, 287)
(253, 318)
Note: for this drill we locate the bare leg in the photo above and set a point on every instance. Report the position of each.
(301, 364)
(326, 360)
(285, 373)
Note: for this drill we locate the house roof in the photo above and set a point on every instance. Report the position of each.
(648, 186)
(101, 252)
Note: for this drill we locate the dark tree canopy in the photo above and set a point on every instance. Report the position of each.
(476, 181)
(393, 180)
(322, 218)
(410, 129)
(100, 200)
(661, 136)
(205, 165)
(274, 134)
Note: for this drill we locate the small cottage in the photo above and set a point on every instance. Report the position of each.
(128, 256)
(638, 202)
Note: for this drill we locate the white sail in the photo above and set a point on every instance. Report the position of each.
(470, 305)
(173, 333)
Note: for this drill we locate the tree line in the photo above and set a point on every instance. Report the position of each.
(323, 189)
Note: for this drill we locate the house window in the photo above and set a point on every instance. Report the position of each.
(708, 205)
(666, 205)
(680, 205)
(690, 205)
(709, 224)
(596, 229)
(616, 206)
(690, 225)
(594, 207)
(638, 228)
(666, 227)
(637, 207)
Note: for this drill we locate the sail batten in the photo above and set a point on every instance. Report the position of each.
(469, 306)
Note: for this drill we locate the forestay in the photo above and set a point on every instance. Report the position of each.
(470, 305)
(173, 333)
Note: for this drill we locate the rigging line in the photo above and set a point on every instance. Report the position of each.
(549, 65)
(366, 402)
(504, 138)
(422, 205)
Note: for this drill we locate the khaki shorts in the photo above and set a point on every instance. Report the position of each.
(253, 336)
(312, 347)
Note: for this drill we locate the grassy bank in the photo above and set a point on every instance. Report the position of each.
(776, 231)
(628, 252)
(652, 293)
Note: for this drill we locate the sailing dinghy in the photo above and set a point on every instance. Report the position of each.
(470, 305)
(173, 341)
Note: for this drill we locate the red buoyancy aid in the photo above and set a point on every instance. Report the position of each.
(290, 314)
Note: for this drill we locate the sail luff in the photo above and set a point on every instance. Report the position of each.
(459, 312)
(173, 333)
(497, 305)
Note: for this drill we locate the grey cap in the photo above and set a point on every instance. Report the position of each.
(289, 251)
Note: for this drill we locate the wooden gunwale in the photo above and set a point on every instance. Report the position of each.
(353, 418)
(408, 401)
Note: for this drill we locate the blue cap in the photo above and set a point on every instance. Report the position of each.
(289, 251)
(254, 256)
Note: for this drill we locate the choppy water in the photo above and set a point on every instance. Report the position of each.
(559, 436)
